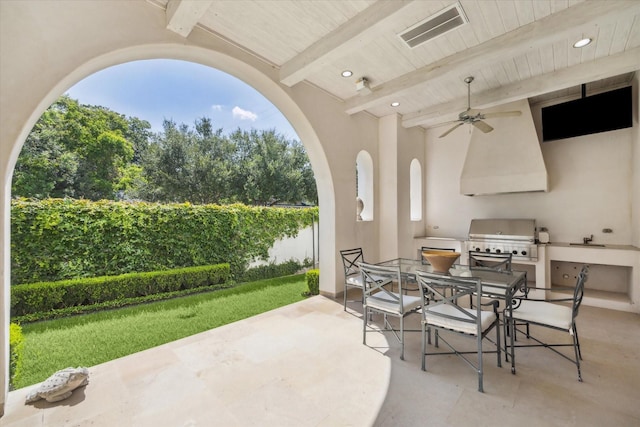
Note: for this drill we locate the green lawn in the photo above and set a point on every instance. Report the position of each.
(91, 339)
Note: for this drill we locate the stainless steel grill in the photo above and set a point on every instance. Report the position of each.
(515, 236)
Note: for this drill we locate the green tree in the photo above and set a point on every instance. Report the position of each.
(78, 151)
(269, 169)
(91, 152)
(139, 134)
(186, 164)
(45, 168)
(104, 160)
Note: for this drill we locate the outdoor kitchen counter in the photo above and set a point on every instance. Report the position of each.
(614, 277)
(594, 246)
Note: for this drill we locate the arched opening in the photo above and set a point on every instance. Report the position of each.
(415, 190)
(364, 182)
(252, 75)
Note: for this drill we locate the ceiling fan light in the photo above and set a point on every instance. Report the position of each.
(582, 42)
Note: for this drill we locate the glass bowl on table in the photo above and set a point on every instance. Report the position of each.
(441, 261)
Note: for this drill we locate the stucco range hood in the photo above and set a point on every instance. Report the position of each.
(506, 160)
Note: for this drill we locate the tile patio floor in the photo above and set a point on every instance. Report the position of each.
(305, 365)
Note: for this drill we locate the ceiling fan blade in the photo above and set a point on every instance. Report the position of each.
(451, 130)
(503, 114)
(482, 126)
(444, 124)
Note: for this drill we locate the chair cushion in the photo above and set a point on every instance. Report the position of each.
(432, 318)
(383, 301)
(545, 313)
(355, 280)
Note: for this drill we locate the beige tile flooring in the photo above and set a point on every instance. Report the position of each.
(305, 365)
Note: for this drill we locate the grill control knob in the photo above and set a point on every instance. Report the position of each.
(515, 252)
(487, 250)
(524, 252)
(498, 251)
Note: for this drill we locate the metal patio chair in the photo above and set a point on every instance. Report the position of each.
(498, 262)
(411, 285)
(442, 311)
(380, 298)
(352, 277)
(547, 313)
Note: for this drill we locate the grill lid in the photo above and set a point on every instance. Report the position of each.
(521, 230)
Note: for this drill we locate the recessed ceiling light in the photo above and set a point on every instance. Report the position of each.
(582, 42)
(347, 73)
(395, 104)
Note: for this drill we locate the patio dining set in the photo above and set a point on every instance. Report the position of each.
(485, 300)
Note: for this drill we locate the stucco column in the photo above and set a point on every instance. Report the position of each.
(397, 148)
(5, 213)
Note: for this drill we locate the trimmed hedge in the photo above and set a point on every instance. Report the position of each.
(109, 305)
(47, 296)
(59, 239)
(313, 281)
(272, 270)
(16, 350)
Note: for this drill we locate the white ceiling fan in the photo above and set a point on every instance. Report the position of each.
(474, 117)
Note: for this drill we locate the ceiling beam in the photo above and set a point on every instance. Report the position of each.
(602, 68)
(355, 33)
(183, 15)
(517, 42)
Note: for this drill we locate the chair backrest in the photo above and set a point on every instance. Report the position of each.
(378, 279)
(500, 262)
(578, 293)
(441, 290)
(350, 260)
(427, 248)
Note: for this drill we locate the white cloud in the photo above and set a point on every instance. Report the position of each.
(243, 114)
(216, 107)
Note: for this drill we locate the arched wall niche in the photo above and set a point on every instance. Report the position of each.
(365, 191)
(415, 190)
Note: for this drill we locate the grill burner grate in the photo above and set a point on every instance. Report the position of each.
(515, 236)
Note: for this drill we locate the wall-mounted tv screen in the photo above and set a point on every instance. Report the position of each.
(593, 114)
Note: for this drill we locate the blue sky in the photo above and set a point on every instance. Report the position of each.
(156, 89)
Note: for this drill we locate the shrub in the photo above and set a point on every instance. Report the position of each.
(107, 305)
(59, 239)
(47, 296)
(313, 281)
(270, 271)
(16, 348)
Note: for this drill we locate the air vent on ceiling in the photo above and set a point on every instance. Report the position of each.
(436, 25)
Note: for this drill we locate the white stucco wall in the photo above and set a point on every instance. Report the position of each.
(397, 148)
(47, 47)
(591, 180)
(302, 247)
(410, 146)
(635, 143)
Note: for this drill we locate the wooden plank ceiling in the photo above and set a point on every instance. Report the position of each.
(515, 49)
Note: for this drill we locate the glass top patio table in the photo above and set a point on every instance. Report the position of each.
(493, 282)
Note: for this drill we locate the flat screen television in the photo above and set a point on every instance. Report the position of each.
(592, 114)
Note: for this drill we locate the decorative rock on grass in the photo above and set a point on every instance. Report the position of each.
(60, 385)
